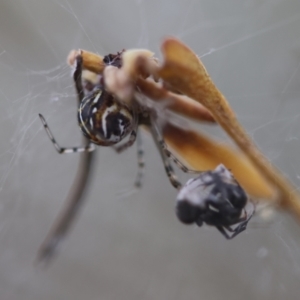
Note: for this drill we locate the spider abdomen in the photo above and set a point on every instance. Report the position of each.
(104, 120)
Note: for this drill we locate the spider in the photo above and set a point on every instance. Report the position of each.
(214, 198)
(185, 81)
(104, 121)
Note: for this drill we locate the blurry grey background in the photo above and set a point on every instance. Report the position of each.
(134, 247)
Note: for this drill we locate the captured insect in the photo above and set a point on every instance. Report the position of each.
(215, 198)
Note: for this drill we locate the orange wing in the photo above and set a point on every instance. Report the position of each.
(202, 153)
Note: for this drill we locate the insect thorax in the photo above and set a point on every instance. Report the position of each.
(104, 120)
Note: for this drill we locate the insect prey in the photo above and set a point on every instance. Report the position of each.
(215, 198)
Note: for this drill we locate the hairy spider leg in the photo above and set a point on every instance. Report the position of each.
(135, 136)
(61, 150)
(80, 94)
(179, 164)
(170, 155)
(165, 153)
(77, 77)
(166, 161)
(141, 161)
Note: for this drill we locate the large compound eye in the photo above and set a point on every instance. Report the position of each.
(187, 213)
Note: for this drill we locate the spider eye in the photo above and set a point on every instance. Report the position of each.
(186, 212)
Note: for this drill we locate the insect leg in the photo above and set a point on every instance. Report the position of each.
(243, 222)
(88, 148)
(240, 228)
(223, 231)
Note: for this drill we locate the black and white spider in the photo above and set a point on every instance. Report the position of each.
(105, 121)
(214, 198)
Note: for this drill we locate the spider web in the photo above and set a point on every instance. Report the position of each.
(134, 247)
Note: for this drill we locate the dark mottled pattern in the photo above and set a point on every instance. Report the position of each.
(88, 110)
(113, 122)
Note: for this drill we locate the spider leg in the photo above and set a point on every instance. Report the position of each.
(179, 164)
(166, 161)
(77, 77)
(169, 154)
(88, 148)
(141, 162)
(135, 136)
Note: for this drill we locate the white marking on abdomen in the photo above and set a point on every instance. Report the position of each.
(97, 97)
(106, 113)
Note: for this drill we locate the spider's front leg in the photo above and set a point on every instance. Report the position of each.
(77, 77)
(88, 148)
